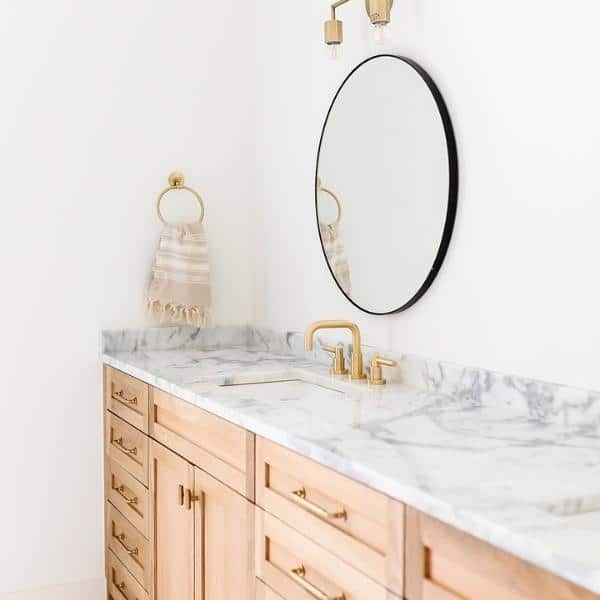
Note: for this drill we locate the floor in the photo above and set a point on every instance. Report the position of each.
(90, 590)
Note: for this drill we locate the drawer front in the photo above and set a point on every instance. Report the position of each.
(220, 448)
(129, 496)
(297, 568)
(431, 591)
(361, 526)
(121, 584)
(127, 446)
(264, 592)
(130, 546)
(127, 397)
(443, 563)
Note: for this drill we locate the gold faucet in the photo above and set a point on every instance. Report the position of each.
(357, 371)
(375, 374)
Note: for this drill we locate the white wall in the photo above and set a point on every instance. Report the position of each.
(99, 102)
(519, 290)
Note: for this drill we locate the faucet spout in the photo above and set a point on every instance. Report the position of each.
(357, 371)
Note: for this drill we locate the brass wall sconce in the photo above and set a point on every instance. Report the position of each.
(378, 12)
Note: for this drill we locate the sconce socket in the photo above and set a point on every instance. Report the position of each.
(379, 11)
(334, 32)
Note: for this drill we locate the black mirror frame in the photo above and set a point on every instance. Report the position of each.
(452, 182)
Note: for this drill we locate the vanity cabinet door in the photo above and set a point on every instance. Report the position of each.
(224, 541)
(172, 525)
(443, 563)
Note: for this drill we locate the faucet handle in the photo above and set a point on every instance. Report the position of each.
(375, 372)
(339, 364)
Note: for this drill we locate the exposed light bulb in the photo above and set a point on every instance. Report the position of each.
(334, 51)
(380, 34)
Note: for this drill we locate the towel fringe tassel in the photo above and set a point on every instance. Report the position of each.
(199, 316)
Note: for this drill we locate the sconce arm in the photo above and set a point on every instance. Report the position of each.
(336, 5)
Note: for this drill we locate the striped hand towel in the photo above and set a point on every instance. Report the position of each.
(179, 288)
(336, 256)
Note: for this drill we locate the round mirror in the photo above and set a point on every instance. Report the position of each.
(386, 184)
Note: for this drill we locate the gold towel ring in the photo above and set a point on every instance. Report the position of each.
(337, 202)
(176, 182)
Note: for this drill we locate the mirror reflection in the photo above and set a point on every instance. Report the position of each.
(386, 184)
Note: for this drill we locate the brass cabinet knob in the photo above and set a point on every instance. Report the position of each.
(339, 364)
(375, 372)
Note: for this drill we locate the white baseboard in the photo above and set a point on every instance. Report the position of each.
(88, 590)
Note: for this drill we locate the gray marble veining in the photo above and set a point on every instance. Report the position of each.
(515, 462)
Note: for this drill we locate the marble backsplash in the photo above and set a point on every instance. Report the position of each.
(519, 397)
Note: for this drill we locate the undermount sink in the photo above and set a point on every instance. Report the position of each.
(283, 388)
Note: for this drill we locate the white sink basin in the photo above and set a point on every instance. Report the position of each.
(286, 389)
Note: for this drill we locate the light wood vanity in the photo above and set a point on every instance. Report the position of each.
(198, 508)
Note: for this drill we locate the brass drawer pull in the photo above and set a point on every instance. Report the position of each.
(192, 498)
(119, 443)
(120, 586)
(299, 496)
(121, 539)
(180, 495)
(299, 576)
(120, 489)
(120, 396)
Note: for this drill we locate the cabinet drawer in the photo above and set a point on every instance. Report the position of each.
(431, 591)
(297, 568)
(121, 584)
(264, 592)
(443, 563)
(220, 448)
(361, 526)
(127, 446)
(130, 546)
(129, 496)
(127, 397)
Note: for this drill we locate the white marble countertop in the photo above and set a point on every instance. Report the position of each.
(519, 479)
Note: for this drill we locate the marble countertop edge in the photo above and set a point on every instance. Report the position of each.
(464, 520)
